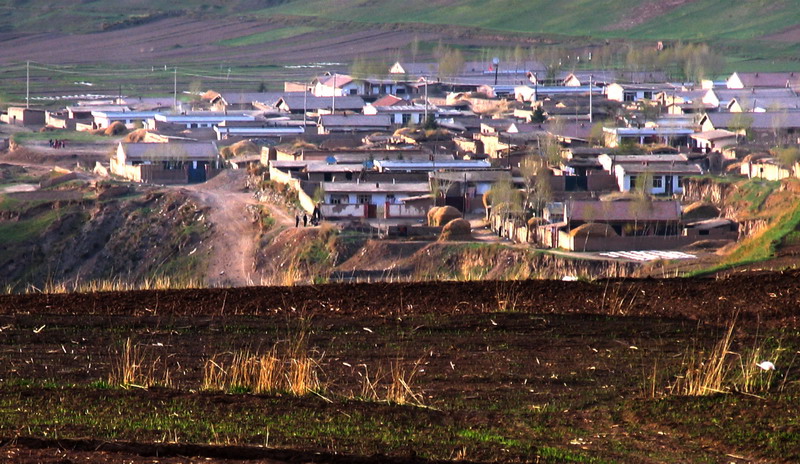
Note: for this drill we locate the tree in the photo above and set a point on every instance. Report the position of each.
(451, 63)
(538, 115)
(414, 48)
(362, 67)
(536, 177)
(642, 200)
(597, 137)
(505, 198)
(788, 156)
(741, 124)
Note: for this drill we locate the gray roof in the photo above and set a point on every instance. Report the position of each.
(374, 187)
(297, 101)
(187, 151)
(662, 168)
(603, 211)
(762, 121)
(239, 98)
(484, 175)
(358, 120)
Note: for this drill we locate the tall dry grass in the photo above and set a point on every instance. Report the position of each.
(133, 367)
(287, 367)
(723, 370)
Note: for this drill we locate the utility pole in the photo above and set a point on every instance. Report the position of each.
(426, 99)
(333, 95)
(175, 88)
(590, 98)
(496, 63)
(305, 104)
(27, 84)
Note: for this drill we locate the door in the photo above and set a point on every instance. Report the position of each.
(197, 172)
(668, 189)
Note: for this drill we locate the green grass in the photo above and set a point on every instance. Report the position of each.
(19, 231)
(71, 136)
(267, 36)
(700, 20)
(733, 420)
(763, 245)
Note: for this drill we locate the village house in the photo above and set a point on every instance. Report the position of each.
(744, 80)
(196, 120)
(762, 127)
(616, 136)
(628, 93)
(298, 104)
(21, 116)
(401, 114)
(593, 225)
(371, 199)
(721, 98)
(103, 119)
(335, 123)
(166, 163)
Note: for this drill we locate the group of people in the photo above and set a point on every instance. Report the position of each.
(58, 143)
(314, 220)
(305, 220)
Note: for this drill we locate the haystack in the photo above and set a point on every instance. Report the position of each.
(439, 216)
(536, 222)
(699, 211)
(115, 128)
(457, 229)
(135, 136)
(244, 147)
(593, 229)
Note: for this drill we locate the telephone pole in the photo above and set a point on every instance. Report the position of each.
(175, 88)
(27, 84)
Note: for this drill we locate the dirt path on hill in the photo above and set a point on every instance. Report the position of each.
(234, 238)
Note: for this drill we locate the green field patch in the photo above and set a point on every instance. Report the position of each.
(266, 36)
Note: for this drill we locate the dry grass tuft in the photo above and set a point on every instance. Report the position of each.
(401, 389)
(295, 371)
(131, 368)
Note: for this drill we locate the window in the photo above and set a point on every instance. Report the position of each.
(648, 95)
(353, 91)
(658, 182)
(339, 199)
(406, 119)
(390, 198)
(629, 96)
(632, 183)
(364, 198)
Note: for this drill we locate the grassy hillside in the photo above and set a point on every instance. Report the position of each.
(699, 19)
(639, 19)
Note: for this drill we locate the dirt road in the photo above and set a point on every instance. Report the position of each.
(234, 238)
(234, 234)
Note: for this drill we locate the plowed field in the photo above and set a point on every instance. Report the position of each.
(534, 371)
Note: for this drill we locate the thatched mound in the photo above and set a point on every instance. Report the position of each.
(457, 229)
(487, 199)
(244, 147)
(116, 128)
(699, 211)
(536, 221)
(135, 136)
(593, 229)
(441, 215)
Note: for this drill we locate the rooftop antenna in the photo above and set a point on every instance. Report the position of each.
(27, 84)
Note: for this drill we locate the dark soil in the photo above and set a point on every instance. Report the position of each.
(508, 371)
(768, 297)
